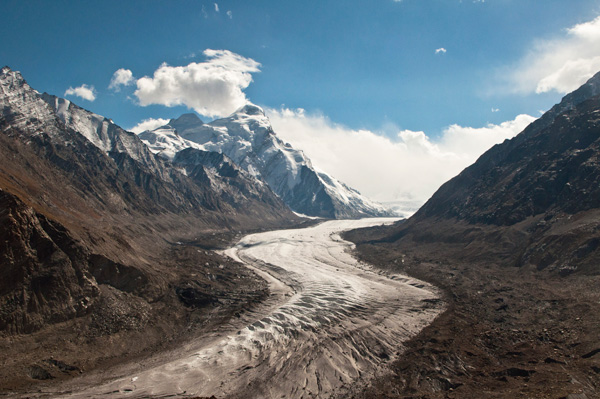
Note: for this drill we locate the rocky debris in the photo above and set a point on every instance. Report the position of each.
(547, 328)
(39, 373)
(125, 327)
(591, 354)
(119, 311)
(62, 366)
(193, 298)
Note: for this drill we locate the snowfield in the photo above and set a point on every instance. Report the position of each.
(329, 322)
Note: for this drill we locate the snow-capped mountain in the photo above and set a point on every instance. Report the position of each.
(112, 165)
(166, 142)
(248, 139)
(104, 133)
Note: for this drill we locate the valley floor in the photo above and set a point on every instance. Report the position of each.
(508, 332)
(330, 323)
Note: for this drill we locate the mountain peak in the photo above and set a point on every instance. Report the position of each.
(251, 110)
(185, 121)
(589, 89)
(6, 72)
(594, 80)
(188, 118)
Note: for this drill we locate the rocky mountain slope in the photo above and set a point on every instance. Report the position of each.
(94, 229)
(515, 242)
(218, 173)
(539, 191)
(249, 140)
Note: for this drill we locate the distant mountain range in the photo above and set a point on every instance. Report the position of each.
(248, 139)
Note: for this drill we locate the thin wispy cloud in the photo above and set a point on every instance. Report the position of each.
(441, 50)
(560, 64)
(121, 77)
(406, 165)
(84, 91)
(216, 7)
(212, 88)
(230, 14)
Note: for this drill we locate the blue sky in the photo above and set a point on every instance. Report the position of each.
(351, 65)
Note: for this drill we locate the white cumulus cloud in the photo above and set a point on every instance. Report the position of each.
(121, 77)
(561, 64)
(408, 165)
(441, 50)
(148, 124)
(84, 91)
(470, 143)
(213, 88)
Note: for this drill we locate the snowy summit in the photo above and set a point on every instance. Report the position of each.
(247, 137)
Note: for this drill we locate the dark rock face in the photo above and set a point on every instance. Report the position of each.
(551, 167)
(194, 298)
(44, 274)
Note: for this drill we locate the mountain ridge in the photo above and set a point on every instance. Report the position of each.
(562, 132)
(246, 136)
